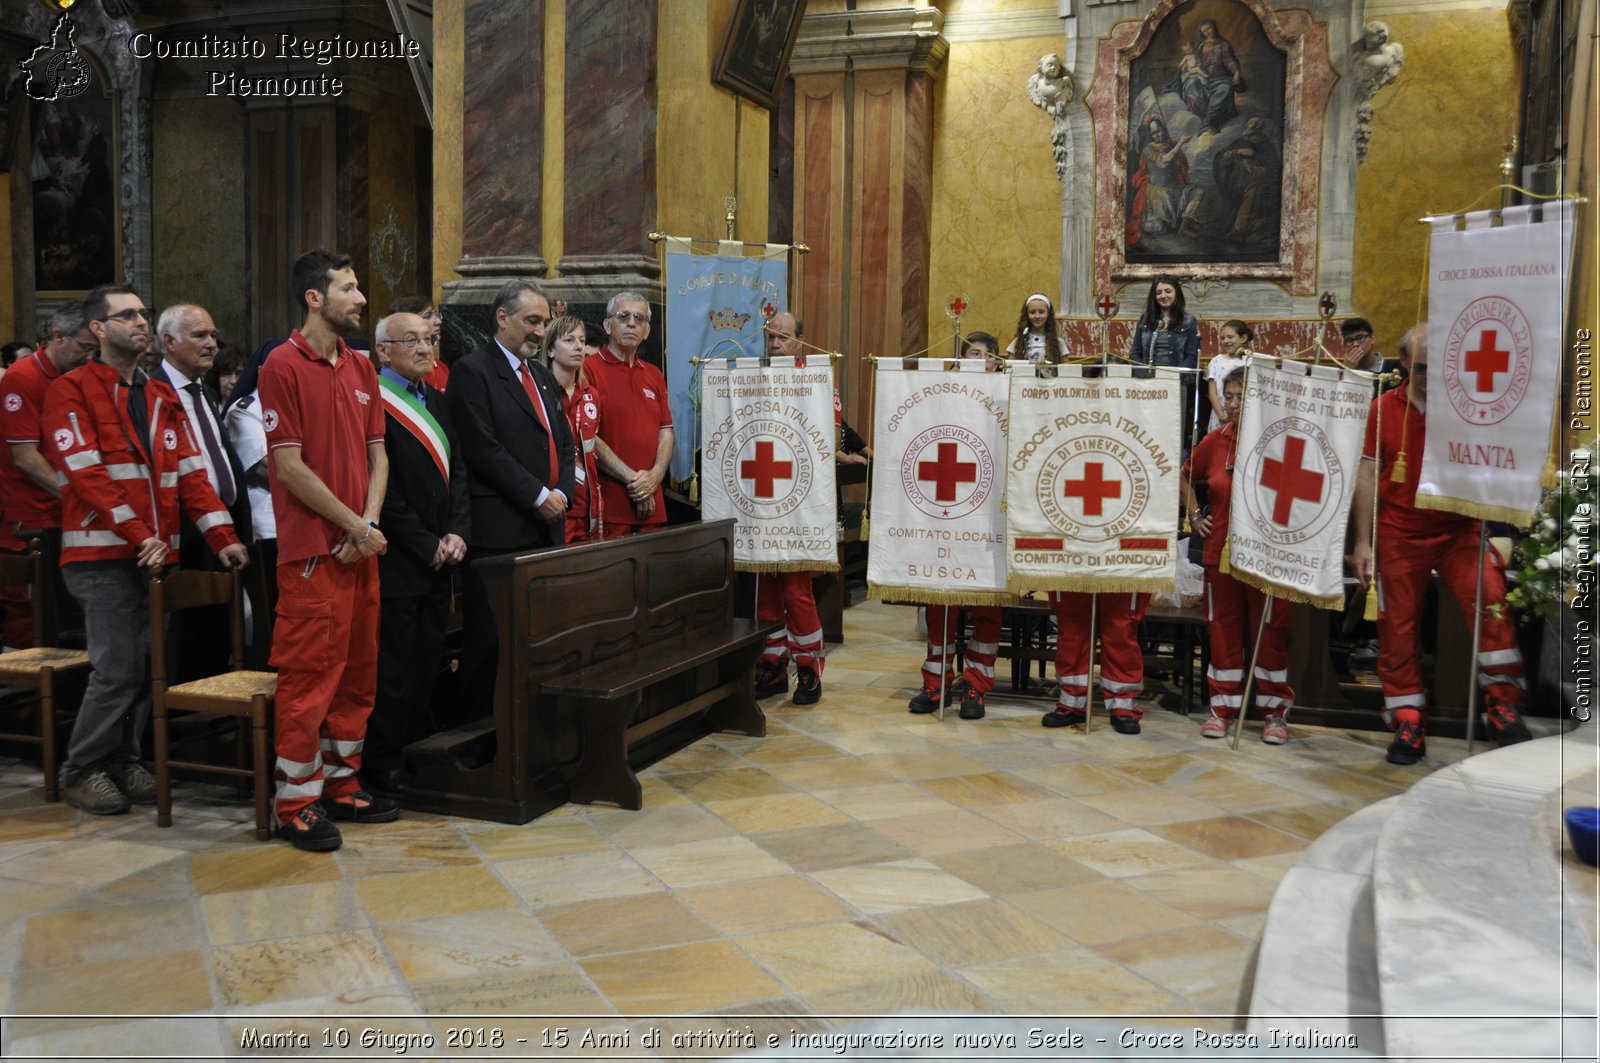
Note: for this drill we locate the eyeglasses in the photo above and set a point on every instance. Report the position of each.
(128, 315)
(411, 343)
(628, 317)
(1358, 337)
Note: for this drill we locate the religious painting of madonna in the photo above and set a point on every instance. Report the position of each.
(1206, 140)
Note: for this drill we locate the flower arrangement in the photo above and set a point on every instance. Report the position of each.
(1557, 557)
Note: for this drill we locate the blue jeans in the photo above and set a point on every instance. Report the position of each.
(116, 702)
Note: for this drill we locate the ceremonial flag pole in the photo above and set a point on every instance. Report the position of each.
(944, 659)
(1250, 676)
(1094, 638)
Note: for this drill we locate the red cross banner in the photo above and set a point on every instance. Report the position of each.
(1494, 359)
(767, 452)
(938, 533)
(1294, 473)
(1092, 481)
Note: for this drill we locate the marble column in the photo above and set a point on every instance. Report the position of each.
(609, 179)
(863, 175)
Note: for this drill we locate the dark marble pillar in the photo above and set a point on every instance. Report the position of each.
(502, 232)
(609, 184)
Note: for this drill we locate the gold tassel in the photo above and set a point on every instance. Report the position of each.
(1371, 611)
(866, 526)
(1548, 479)
(694, 487)
(1397, 474)
(1225, 563)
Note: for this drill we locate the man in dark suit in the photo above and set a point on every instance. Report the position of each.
(200, 642)
(520, 458)
(428, 517)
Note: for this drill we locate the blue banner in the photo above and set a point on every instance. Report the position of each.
(717, 306)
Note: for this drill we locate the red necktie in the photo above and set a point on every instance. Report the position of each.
(554, 483)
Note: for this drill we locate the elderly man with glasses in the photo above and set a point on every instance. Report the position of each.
(635, 420)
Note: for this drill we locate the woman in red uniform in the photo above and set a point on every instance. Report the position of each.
(1233, 609)
(565, 346)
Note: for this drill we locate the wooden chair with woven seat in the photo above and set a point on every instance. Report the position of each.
(241, 692)
(38, 667)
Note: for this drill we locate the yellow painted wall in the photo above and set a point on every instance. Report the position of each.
(996, 198)
(449, 30)
(704, 132)
(197, 209)
(1437, 141)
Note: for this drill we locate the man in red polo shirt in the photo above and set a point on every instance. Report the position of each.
(635, 444)
(324, 425)
(1412, 543)
(30, 498)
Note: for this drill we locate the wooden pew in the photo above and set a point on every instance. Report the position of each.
(612, 655)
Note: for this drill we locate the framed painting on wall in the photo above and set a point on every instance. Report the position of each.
(1209, 160)
(74, 186)
(755, 51)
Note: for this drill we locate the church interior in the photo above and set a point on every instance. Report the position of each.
(858, 868)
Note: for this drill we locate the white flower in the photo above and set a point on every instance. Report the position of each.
(1541, 563)
(1548, 524)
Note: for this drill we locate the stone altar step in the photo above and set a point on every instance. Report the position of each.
(1480, 953)
(1318, 965)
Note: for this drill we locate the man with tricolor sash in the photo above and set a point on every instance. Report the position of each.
(428, 516)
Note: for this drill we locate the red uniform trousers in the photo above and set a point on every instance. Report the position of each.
(981, 647)
(788, 597)
(16, 605)
(1403, 567)
(1233, 615)
(325, 648)
(1121, 661)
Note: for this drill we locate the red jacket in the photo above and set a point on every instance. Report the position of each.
(112, 499)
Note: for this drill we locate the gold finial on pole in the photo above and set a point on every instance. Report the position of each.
(730, 207)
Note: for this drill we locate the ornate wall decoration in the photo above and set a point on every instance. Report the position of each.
(1208, 142)
(1050, 89)
(392, 254)
(1376, 61)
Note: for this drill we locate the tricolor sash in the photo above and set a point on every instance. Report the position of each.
(937, 485)
(1300, 435)
(1092, 481)
(1495, 348)
(766, 460)
(411, 413)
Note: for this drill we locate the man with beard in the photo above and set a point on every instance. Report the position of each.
(129, 468)
(520, 459)
(324, 428)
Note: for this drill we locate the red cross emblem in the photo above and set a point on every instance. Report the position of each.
(1093, 489)
(765, 470)
(1289, 480)
(1485, 363)
(1107, 306)
(947, 473)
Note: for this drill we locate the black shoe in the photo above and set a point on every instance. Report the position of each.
(772, 680)
(971, 705)
(807, 686)
(928, 700)
(1063, 718)
(311, 831)
(1409, 745)
(1505, 723)
(134, 780)
(363, 808)
(1125, 723)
